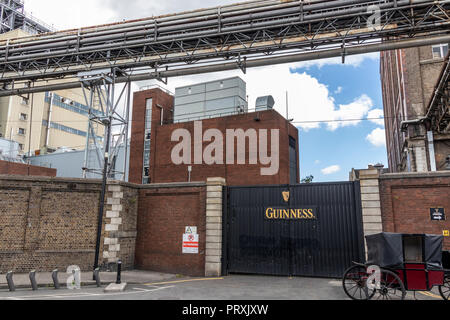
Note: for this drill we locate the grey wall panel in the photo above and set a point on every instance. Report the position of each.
(210, 99)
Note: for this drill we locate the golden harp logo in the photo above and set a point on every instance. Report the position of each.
(286, 196)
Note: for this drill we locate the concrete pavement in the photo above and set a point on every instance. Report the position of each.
(44, 279)
(234, 287)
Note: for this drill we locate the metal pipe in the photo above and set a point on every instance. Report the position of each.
(243, 49)
(127, 121)
(49, 120)
(163, 20)
(133, 44)
(331, 53)
(431, 153)
(225, 9)
(107, 123)
(150, 29)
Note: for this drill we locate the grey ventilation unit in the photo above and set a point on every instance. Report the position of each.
(264, 103)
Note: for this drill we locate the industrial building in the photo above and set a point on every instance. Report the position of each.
(69, 163)
(44, 122)
(416, 142)
(13, 16)
(219, 105)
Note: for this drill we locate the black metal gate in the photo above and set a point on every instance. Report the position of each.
(300, 230)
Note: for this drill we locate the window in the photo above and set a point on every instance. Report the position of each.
(148, 130)
(21, 147)
(23, 117)
(440, 51)
(25, 101)
(21, 131)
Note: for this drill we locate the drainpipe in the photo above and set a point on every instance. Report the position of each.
(162, 113)
(431, 151)
(49, 117)
(408, 159)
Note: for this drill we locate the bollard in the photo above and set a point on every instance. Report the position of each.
(9, 279)
(32, 276)
(119, 270)
(55, 279)
(97, 277)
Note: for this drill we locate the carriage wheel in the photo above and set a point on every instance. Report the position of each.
(392, 287)
(354, 283)
(445, 288)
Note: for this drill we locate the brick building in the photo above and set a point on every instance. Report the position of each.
(23, 169)
(151, 145)
(409, 77)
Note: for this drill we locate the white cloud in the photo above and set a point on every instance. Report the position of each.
(377, 113)
(377, 137)
(355, 110)
(338, 90)
(310, 102)
(65, 14)
(331, 170)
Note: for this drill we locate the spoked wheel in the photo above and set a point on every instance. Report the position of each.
(391, 287)
(445, 288)
(354, 284)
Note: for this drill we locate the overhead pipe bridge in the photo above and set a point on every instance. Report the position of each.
(249, 34)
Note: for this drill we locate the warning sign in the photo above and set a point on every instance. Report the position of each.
(446, 233)
(190, 243)
(191, 230)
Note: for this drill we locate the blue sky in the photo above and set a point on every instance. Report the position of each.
(346, 147)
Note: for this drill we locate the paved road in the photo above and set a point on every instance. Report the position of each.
(236, 287)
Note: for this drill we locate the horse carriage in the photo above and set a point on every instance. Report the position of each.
(398, 263)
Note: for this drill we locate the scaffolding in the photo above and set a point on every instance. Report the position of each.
(13, 16)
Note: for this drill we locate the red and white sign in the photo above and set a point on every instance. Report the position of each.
(190, 243)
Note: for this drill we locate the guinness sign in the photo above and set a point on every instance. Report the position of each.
(309, 213)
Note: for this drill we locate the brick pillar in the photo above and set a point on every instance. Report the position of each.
(113, 221)
(370, 201)
(213, 258)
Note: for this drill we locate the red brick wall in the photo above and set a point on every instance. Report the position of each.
(160, 99)
(406, 201)
(163, 170)
(21, 169)
(163, 215)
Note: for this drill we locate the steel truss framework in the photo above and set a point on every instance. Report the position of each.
(439, 109)
(250, 34)
(210, 37)
(12, 16)
(99, 90)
